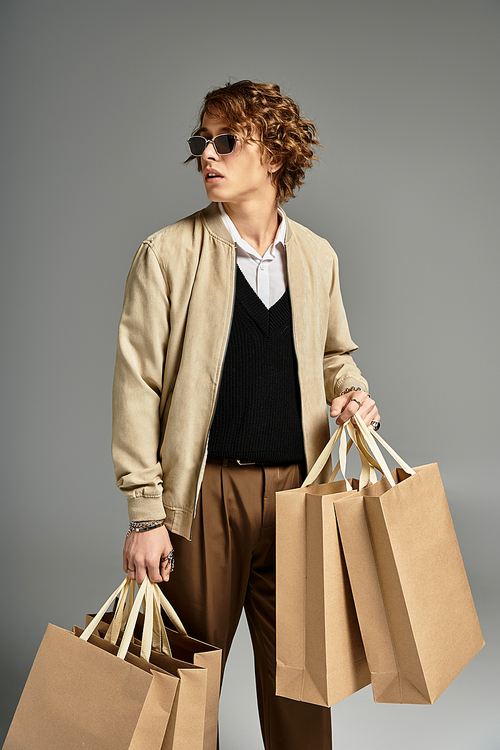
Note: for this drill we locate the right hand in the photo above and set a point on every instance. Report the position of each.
(142, 553)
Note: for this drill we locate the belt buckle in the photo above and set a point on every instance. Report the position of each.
(245, 463)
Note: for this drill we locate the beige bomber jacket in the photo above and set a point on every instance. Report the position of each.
(172, 340)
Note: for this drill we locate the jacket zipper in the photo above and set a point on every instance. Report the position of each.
(205, 452)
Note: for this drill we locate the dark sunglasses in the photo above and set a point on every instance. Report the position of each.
(224, 144)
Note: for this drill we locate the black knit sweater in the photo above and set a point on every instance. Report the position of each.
(257, 417)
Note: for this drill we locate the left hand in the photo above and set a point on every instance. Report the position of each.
(346, 406)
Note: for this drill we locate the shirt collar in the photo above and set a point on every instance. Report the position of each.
(243, 244)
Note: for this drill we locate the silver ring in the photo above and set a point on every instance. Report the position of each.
(356, 400)
(131, 570)
(169, 559)
(375, 425)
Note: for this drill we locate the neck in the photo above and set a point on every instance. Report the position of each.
(256, 223)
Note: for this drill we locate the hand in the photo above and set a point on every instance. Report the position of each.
(346, 406)
(143, 552)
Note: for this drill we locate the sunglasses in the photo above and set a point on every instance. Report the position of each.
(224, 144)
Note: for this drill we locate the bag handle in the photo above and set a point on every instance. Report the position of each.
(154, 634)
(92, 626)
(132, 620)
(159, 632)
(370, 437)
(154, 631)
(368, 463)
(337, 466)
(323, 457)
(122, 612)
(145, 594)
(160, 637)
(370, 454)
(170, 611)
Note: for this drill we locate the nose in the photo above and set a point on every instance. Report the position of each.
(210, 152)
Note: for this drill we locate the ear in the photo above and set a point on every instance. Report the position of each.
(274, 165)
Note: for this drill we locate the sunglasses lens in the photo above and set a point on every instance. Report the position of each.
(225, 143)
(197, 144)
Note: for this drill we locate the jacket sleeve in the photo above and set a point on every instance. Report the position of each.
(142, 342)
(339, 369)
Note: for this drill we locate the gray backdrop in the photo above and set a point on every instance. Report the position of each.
(98, 98)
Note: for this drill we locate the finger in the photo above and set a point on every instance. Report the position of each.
(372, 416)
(165, 570)
(166, 566)
(129, 571)
(140, 573)
(367, 411)
(125, 562)
(128, 567)
(154, 573)
(337, 405)
(351, 408)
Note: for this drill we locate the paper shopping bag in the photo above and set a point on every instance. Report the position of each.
(80, 695)
(210, 658)
(319, 651)
(187, 650)
(195, 714)
(186, 726)
(413, 601)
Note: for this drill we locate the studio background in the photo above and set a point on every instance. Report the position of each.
(98, 98)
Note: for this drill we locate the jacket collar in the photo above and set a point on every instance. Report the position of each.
(213, 222)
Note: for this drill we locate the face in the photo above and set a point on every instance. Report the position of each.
(237, 178)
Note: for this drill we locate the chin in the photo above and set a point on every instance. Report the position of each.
(213, 194)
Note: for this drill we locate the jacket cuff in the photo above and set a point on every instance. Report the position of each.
(146, 508)
(350, 382)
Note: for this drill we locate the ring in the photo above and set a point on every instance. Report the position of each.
(356, 400)
(169, 559)
(131, 570)
(375, 425)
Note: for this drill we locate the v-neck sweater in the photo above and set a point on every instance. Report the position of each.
(258, 412)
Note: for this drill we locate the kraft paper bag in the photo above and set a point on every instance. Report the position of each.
(80, 695)
(184, 649)
(210, 658)
(413, 601)
(186, 726)
(319, 650)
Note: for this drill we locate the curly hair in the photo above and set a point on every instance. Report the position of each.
(251, 108)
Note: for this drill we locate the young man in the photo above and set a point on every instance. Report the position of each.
(232, 340)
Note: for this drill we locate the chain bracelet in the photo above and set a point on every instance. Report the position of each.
(140, 526)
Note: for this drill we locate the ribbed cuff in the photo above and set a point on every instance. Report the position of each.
(146, 508)
(350, 382)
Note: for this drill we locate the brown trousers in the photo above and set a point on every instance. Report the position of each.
(230, 564)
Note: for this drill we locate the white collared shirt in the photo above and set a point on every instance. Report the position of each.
(266, 274)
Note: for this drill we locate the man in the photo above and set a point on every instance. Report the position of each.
(232, 339)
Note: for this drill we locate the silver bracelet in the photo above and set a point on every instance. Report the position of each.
(352, 388)
(144, 526)
(348, 390)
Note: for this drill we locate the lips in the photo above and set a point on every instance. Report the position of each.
(211, 175)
